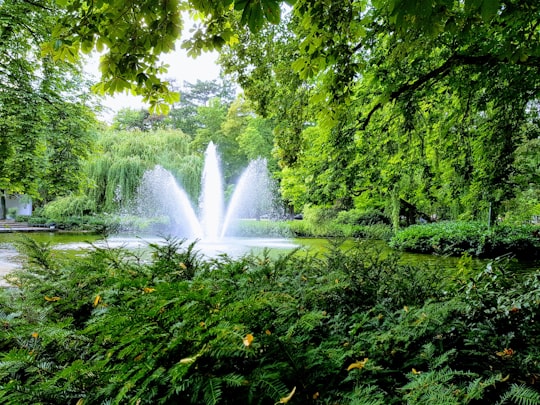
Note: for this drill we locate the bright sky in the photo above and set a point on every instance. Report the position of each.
(181, 67)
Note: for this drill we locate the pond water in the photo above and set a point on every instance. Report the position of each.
(73, 243)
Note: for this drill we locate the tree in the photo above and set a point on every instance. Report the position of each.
(132, 35)
(184, 114)
(44, 107)
(420, 101)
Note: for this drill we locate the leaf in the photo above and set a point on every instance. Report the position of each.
(357, 364)
(248, 340)
(286, 399)
(52, 299)
(97, 300)
(272, 11)
(489, 9)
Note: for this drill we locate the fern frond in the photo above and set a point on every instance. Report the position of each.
(212, 391)
(520, 395)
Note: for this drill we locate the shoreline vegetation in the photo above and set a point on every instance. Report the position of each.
(344, 327)
(453, 238)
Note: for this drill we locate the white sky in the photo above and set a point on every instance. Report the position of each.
(181, 67)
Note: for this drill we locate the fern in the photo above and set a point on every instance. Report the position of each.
(520, 395)
(212, 391)
(366, 395)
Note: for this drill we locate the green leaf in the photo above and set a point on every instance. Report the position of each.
(272, 11)
(489, 9)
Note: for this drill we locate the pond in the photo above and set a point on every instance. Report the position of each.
(74, 243)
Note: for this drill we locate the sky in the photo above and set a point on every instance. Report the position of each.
(181, 67)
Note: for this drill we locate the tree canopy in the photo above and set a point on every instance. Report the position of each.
(424, 101)
(45, 116)
(429, 102)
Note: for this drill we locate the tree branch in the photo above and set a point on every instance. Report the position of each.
(440, 72)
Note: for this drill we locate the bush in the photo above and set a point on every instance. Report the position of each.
(361, 217)
(69, 206)
(37, 220)
(323, 222)
(263, 228)
(456, 238)
(22, 218)
(347, 327)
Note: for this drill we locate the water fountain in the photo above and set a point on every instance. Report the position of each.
(162, 196)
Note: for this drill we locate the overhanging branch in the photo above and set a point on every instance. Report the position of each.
(438, 73)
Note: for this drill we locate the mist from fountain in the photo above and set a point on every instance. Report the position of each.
(211, 201)
(161, 195)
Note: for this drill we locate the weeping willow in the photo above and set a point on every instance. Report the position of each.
(123, 179)
(97, 171)
(148, 146)
(117, 170)
(188, 172)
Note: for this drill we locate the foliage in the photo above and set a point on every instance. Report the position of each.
(331, 222)
(116, 172)
(69, 206)
(153, 27)
(362, 217)
(345, 327)
(430, 103)
(456, 238)
(261, 228)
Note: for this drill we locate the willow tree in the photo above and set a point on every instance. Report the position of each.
(115, 173)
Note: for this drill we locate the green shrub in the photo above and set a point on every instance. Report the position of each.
(319, 215)
(69, 206)
(262, 228)
(37, 220)
(456, 238)
(22, 218)
(361, 217)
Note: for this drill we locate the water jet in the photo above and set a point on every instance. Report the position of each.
(160, 195)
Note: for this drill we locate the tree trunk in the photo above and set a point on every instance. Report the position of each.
(3, 205)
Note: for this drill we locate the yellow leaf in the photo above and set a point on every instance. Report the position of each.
(187, 360)
(406, 308)
(357, 364)
(506, 353)
(268, 332)
(286, 399)
(416, 372)
(53, 299)
(183, 266)
(35, 335)
(97, 300)
(248, 339)
(80, 401)
(148, 289)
